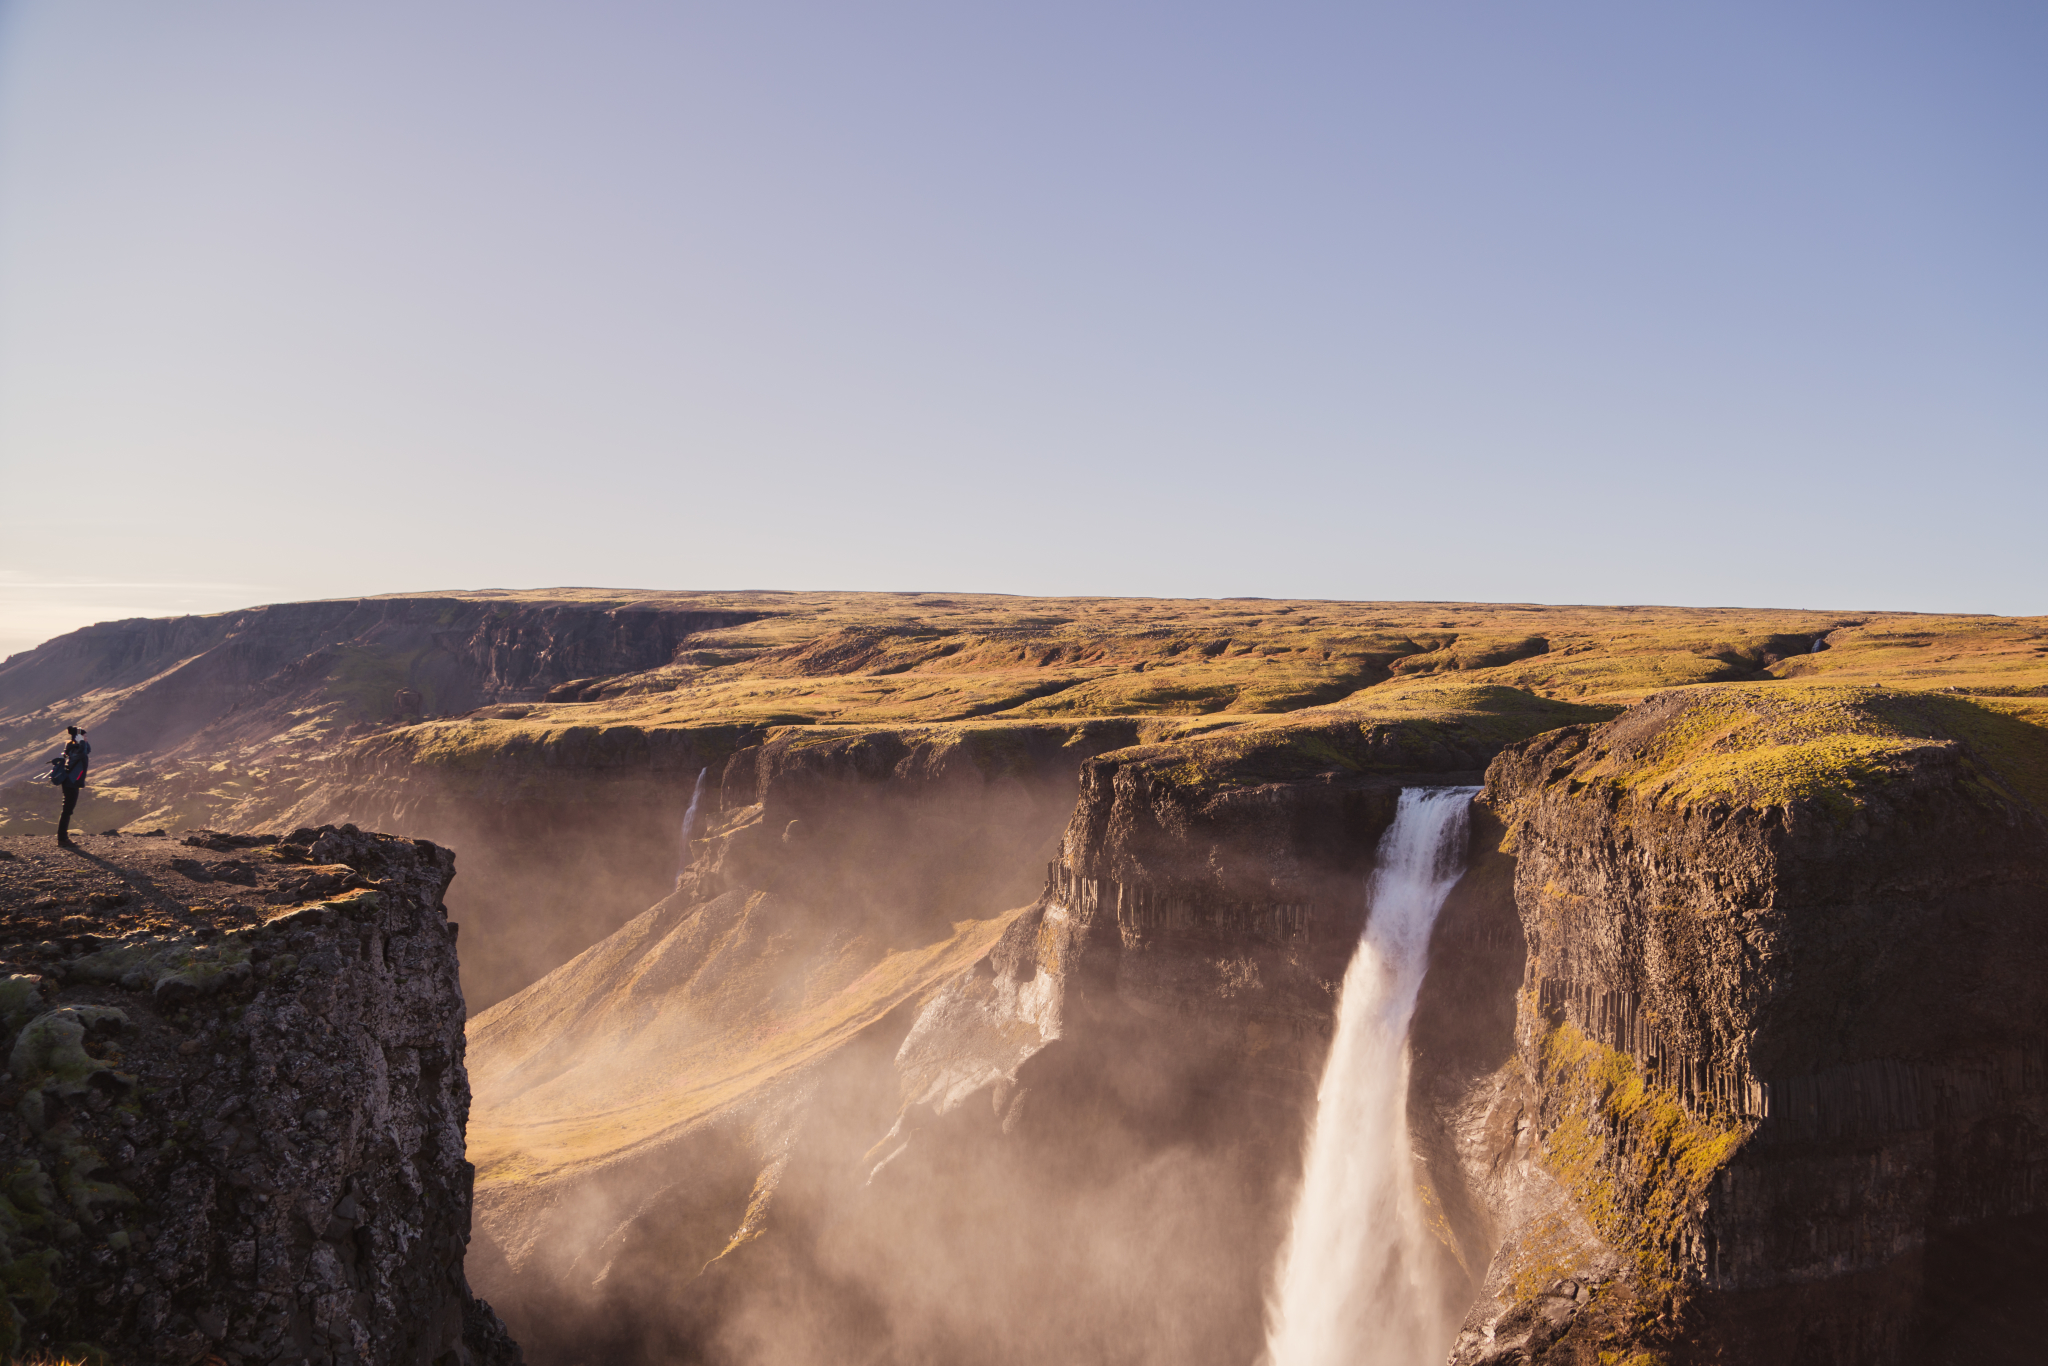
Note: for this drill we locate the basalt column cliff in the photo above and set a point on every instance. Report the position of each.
(1783, 1024)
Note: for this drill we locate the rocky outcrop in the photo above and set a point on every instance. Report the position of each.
(1781, 1037)
(240, 1109)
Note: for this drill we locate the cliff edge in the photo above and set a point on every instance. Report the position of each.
(238, 1100)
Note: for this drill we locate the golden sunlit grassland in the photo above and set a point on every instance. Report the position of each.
(1250, 690)
(1283, 686)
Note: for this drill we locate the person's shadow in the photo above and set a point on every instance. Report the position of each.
(151, 891)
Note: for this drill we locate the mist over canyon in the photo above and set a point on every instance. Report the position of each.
(936, 978)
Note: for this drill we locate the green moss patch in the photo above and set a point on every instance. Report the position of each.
(1636, 1161)
(21, 999)
(175, 967)
(53, 1045)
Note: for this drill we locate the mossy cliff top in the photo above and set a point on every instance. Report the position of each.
(1791, 877)
(1784, 942)
(1803, 746)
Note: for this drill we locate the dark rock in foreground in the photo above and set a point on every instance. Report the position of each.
(238, 1123)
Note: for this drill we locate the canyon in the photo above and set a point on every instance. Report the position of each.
(977, 1008)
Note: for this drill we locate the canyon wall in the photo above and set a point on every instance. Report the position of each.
(1781, 1035)
(1729, 1048)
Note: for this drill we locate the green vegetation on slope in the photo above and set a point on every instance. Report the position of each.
(1636, 1161)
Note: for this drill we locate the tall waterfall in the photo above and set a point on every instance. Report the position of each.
(1358, 1284)
(690, 819)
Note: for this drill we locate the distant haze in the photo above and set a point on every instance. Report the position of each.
(1579, 302)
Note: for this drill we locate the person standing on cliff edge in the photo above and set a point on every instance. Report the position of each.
(76, 754)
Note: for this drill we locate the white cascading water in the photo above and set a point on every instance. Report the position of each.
(689, 820)
(1358, 1283)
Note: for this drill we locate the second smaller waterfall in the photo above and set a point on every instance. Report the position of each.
(689, 821)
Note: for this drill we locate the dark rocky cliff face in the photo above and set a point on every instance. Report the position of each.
(240, 1121)
(1781, 1037)
(1727, 1054)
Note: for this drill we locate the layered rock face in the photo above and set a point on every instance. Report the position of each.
(1781, 1034)
(241, 1121)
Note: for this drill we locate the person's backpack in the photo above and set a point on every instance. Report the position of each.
(59, 771)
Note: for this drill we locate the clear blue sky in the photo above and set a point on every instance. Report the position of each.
(1593, 302)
